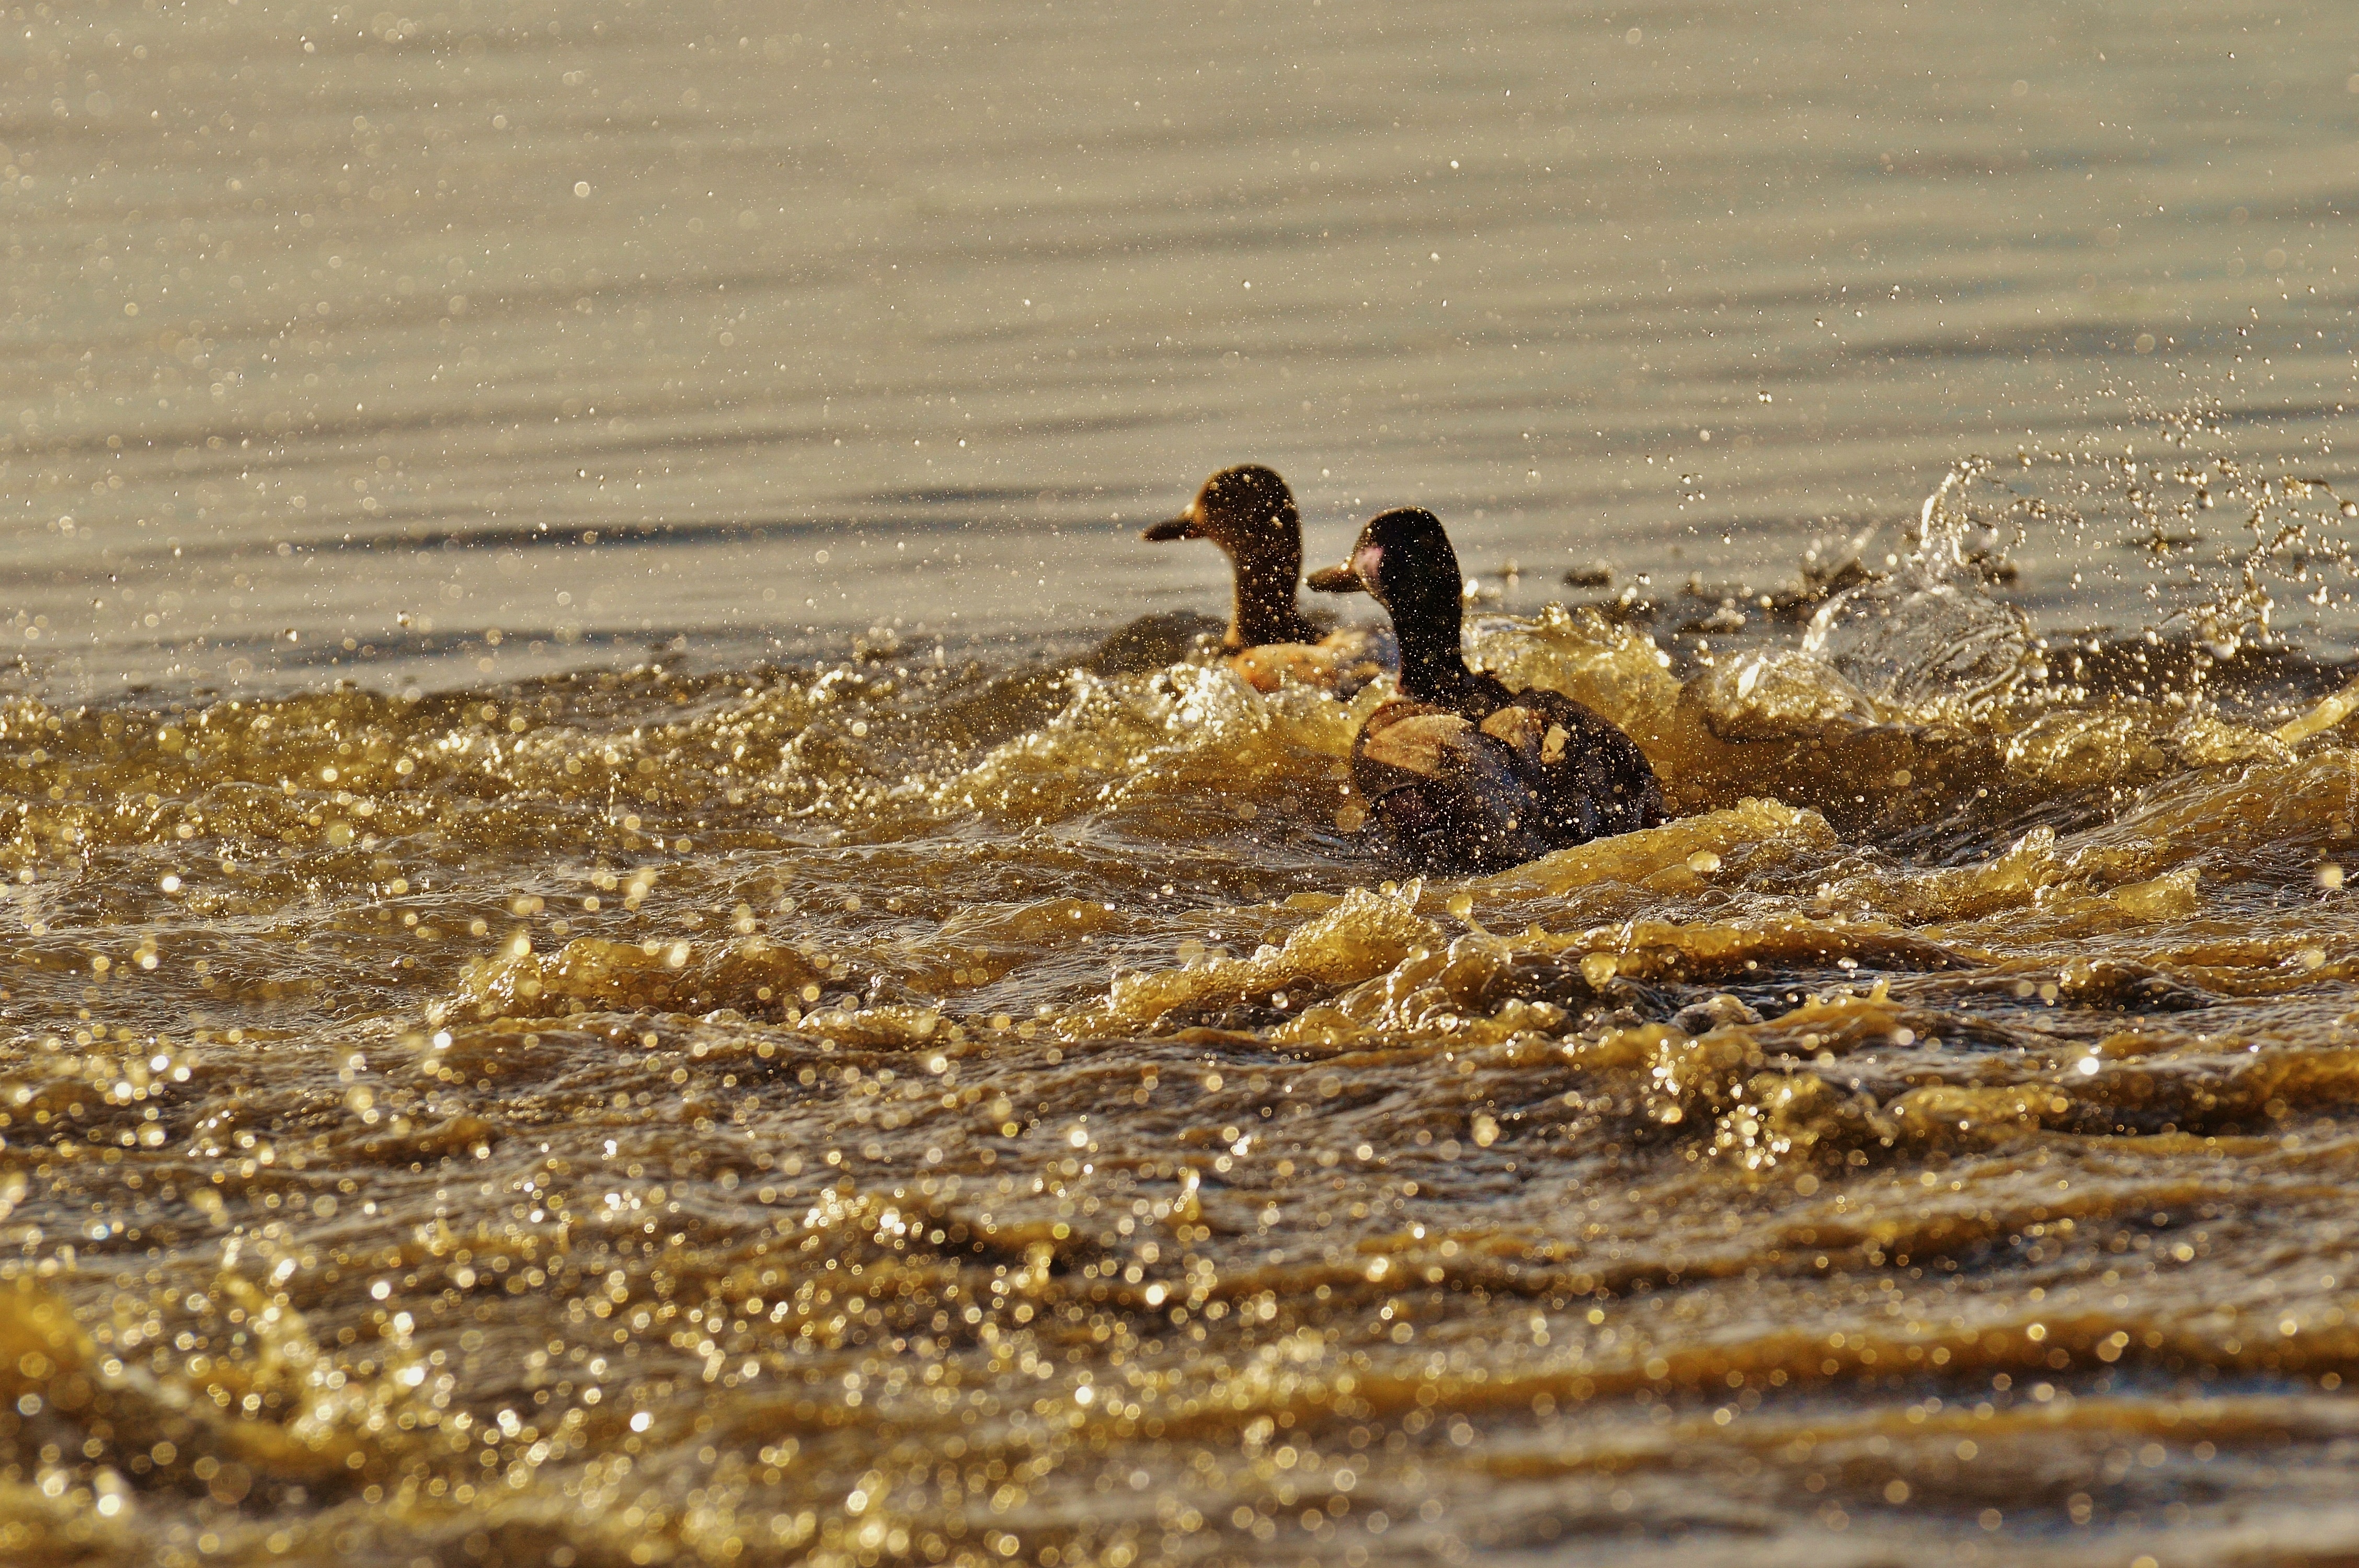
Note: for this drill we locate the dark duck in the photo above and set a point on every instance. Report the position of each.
(1459, 773)
(1250, 514)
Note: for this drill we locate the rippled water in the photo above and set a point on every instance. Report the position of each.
(596, 325)
(591, 977)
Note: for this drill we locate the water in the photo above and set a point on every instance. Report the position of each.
(596, 972)
(1507, 263)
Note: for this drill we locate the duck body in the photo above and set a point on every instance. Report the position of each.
(1250, 514)
(1460, 773)
(1498, 777)
(1341, 662)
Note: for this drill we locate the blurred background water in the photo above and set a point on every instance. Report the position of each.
(324, 323)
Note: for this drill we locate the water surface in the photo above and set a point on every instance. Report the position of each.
(598, 968)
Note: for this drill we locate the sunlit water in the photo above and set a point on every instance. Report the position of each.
(598, 968)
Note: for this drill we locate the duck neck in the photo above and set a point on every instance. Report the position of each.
(1261, 608)
(1432, 668)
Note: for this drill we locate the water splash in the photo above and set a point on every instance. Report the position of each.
(1929, 635)
(2008, 556)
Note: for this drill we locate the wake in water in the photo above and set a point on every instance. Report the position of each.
(919, 1110)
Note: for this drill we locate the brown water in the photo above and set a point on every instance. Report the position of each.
(589, 977)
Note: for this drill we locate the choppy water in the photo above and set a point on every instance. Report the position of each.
(593, 970)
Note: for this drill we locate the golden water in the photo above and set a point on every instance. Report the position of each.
(893, 1110)
(588, 976)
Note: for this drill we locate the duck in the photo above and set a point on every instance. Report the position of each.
(1250, 514)
(1459, 773)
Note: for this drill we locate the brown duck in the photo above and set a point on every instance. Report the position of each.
(1459, 773)
(1250, 514)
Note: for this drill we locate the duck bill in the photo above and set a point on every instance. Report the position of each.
(1180, 527)
(1336, 579)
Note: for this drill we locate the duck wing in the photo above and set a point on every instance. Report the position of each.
(1446, 793)
(1589, 779)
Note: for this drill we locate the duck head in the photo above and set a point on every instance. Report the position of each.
(1403, 560)
(1249, 513)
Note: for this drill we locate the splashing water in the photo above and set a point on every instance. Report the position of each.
(1929, 633)
(2080, 525)
(938, 1111)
